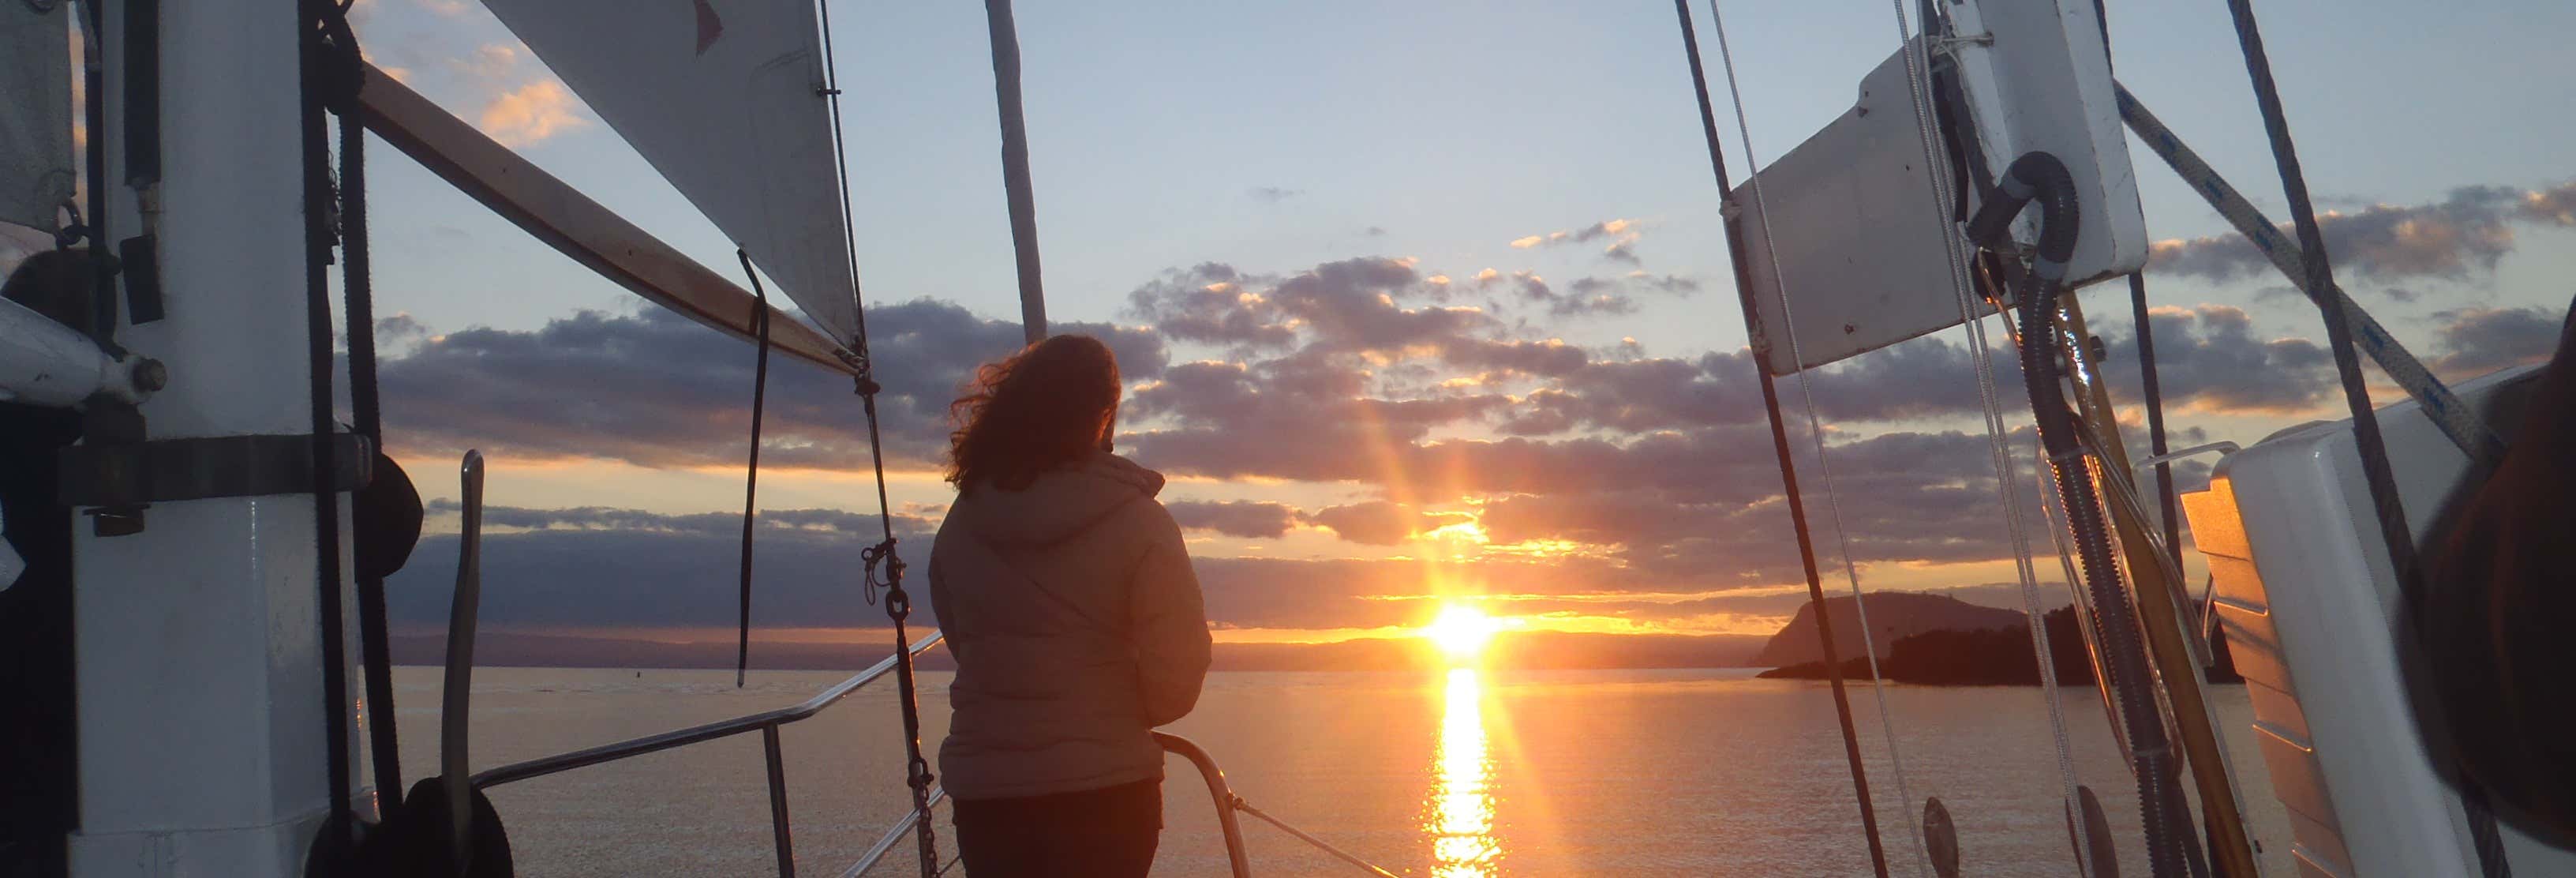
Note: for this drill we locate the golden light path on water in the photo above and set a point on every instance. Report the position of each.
(1459, 818)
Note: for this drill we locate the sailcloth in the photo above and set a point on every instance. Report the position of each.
(724, 98)
(35, 113)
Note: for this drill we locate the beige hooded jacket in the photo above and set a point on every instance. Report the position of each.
(1077, 626)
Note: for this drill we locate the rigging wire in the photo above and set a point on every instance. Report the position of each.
(882, 556)
(831, 91)
(1815, 428)
(2151, 388)
(2155, 399)
(2373, 447)
(1780, 447)
(751, 472)
(1980, 355)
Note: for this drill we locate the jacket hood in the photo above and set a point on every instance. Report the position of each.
(1057, 505)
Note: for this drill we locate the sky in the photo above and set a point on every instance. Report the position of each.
(1419, 304)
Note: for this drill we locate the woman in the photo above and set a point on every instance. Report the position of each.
(1068, 600)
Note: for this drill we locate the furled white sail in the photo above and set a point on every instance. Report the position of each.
(724, 97)
(35, 113)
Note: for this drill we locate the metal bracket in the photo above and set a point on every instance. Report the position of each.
(133, 473)
(1949, 46)
(2138, 471)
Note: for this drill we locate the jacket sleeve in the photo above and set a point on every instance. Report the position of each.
(1168, 619)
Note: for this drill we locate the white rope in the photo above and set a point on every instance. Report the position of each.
(1980, 357)
(1816, 431)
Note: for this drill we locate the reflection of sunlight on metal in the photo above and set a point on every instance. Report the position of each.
(1459, 818)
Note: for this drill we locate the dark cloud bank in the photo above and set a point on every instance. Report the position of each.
(1364, 372)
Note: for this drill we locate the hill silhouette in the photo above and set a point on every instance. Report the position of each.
(1988, 657)
(1893, 615)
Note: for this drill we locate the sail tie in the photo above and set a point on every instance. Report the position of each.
(751, 472)
(324, 81)
(1815, 427)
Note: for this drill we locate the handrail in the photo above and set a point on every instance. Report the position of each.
(1365, 866)
(1235, 856)
(770, 719)
(1227, 803)
(893, 835)
(767, 722)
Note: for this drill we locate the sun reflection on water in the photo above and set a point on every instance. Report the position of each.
(1459, 817)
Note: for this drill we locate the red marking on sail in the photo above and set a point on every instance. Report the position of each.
(710, 28)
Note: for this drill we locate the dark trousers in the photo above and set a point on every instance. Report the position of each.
(1103, 833)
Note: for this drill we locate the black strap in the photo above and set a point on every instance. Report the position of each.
(347, 76)
(334, 843)
(751, 472)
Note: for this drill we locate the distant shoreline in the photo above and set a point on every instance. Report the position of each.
(1515, 651)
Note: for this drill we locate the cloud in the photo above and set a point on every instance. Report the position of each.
(1589, 295)
(612, 569)
(1273, 194)
(604, 518)
(520, 107)
(447, 8)
(1623, 251)
(2554, 206)
(656, 389)
(2476, 341)
(1360, 377)
(1235, 518)
(622, 568)
(1599, 295)
(531, 113)
(1610, 228)
(1922, 379)
(2209, 358)
(2463, 235)
(1381, 523)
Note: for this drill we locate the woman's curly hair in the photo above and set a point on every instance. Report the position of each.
(1045, 407)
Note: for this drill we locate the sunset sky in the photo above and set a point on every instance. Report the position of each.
(1415, 304)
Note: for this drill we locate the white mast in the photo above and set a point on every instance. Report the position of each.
(199, 659)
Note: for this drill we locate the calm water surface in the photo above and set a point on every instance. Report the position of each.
(1467, 773)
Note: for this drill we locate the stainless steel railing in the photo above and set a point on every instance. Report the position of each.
(1235, 857)
(1238, 860)
(767, 723)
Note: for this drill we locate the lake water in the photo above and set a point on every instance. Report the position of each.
(1468, 773)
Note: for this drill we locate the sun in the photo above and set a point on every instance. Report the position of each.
(1461, 631)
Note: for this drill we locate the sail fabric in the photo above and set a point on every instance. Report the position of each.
(726, 100)
(35, 113)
